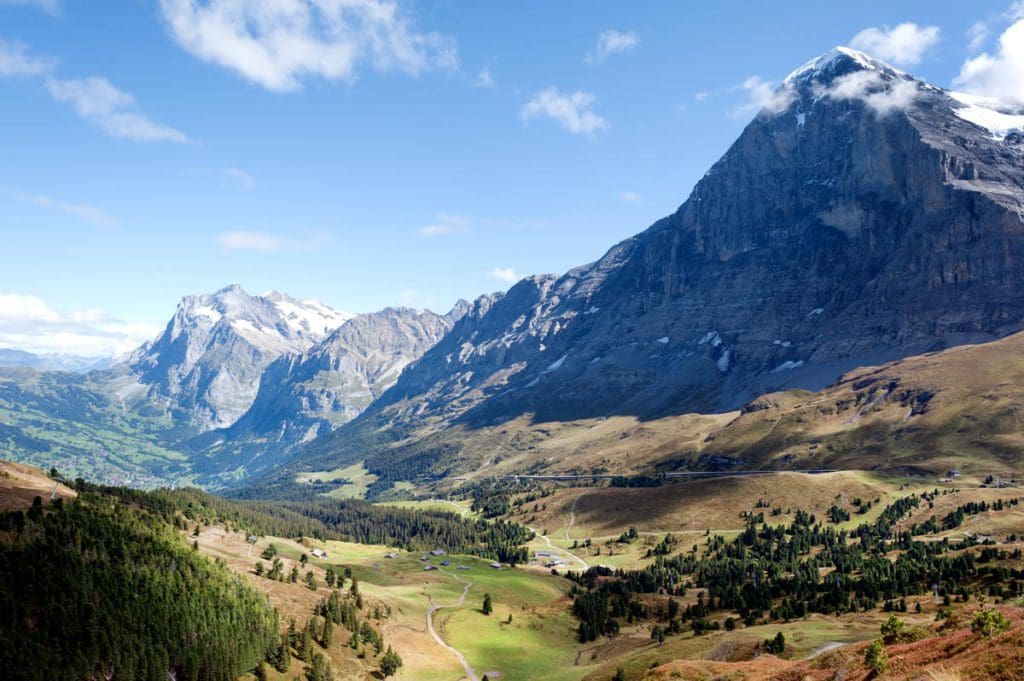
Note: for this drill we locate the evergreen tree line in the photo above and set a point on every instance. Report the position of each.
(96, 588)
(346, 520)
(782, 572)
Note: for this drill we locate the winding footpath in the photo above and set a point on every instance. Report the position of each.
(437, 637)
(564, 552)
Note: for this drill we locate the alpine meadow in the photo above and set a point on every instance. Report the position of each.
(301, 377)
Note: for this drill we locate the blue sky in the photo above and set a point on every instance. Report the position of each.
(384, 154)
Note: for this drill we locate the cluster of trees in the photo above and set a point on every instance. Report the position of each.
(96, 588)
(776, 572)
(349, 520)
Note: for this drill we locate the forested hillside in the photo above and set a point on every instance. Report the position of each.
(95, 588)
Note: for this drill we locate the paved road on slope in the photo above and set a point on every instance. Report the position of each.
(586, 566)
(437, 637)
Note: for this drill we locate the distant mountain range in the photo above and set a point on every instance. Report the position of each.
(862, 217)
(50, 361)
(233, 384)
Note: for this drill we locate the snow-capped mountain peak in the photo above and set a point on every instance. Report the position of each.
(211, 355)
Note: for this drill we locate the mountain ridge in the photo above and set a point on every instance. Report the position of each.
(859, 218)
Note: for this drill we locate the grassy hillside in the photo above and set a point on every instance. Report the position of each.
(961, 408)
(80, 425)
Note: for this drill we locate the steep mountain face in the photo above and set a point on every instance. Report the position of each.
(206, 365)
(863, 216)
(303, 395)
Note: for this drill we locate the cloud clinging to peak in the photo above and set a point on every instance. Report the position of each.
(998, 74)
(505, 274)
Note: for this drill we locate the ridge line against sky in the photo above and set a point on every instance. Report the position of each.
(376, 152)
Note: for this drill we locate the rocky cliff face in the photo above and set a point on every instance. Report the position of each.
(864, 216)
(206, 365)
(334, 381)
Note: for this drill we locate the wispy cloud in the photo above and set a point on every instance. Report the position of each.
(230, 174)
(266, 242)
(279, 44)
(630, 197)
(48, 6)
(701, 96)
(999, 74)
(612, 42)
(485, 79)
(505, 274)
(446, 225)
(573, 111)
(903, 45)
(15, 60)
(977, 34)
(762, 95)
(27, 322)
(82, 211)
(114, 111)
(94, 99)
(868, 86)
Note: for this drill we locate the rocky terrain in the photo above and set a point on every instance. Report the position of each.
(863, 216)
(207, 363)
(304, 395)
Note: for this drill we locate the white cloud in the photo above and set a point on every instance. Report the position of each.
(250, 241)
(977, 34)
(48, 6)
(280, 43)
(485, 79)
(114, 111)
(903, 45)
(612, 42)
(882, 97)
(242, 178)
(572, 111)
(702, 95)
(630, 197)
(409, 297)
(15, 60)
(506, 274)
(999, 75)
(762, 95)
(82, 211)
(28, 323)
(229, 173)
(446, 225)
(265, 242)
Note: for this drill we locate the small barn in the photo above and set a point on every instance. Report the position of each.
(319, 553)
(437, 552)
(496, 566)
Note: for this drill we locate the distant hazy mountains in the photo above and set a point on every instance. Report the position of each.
(52, 361)
(234, 382)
